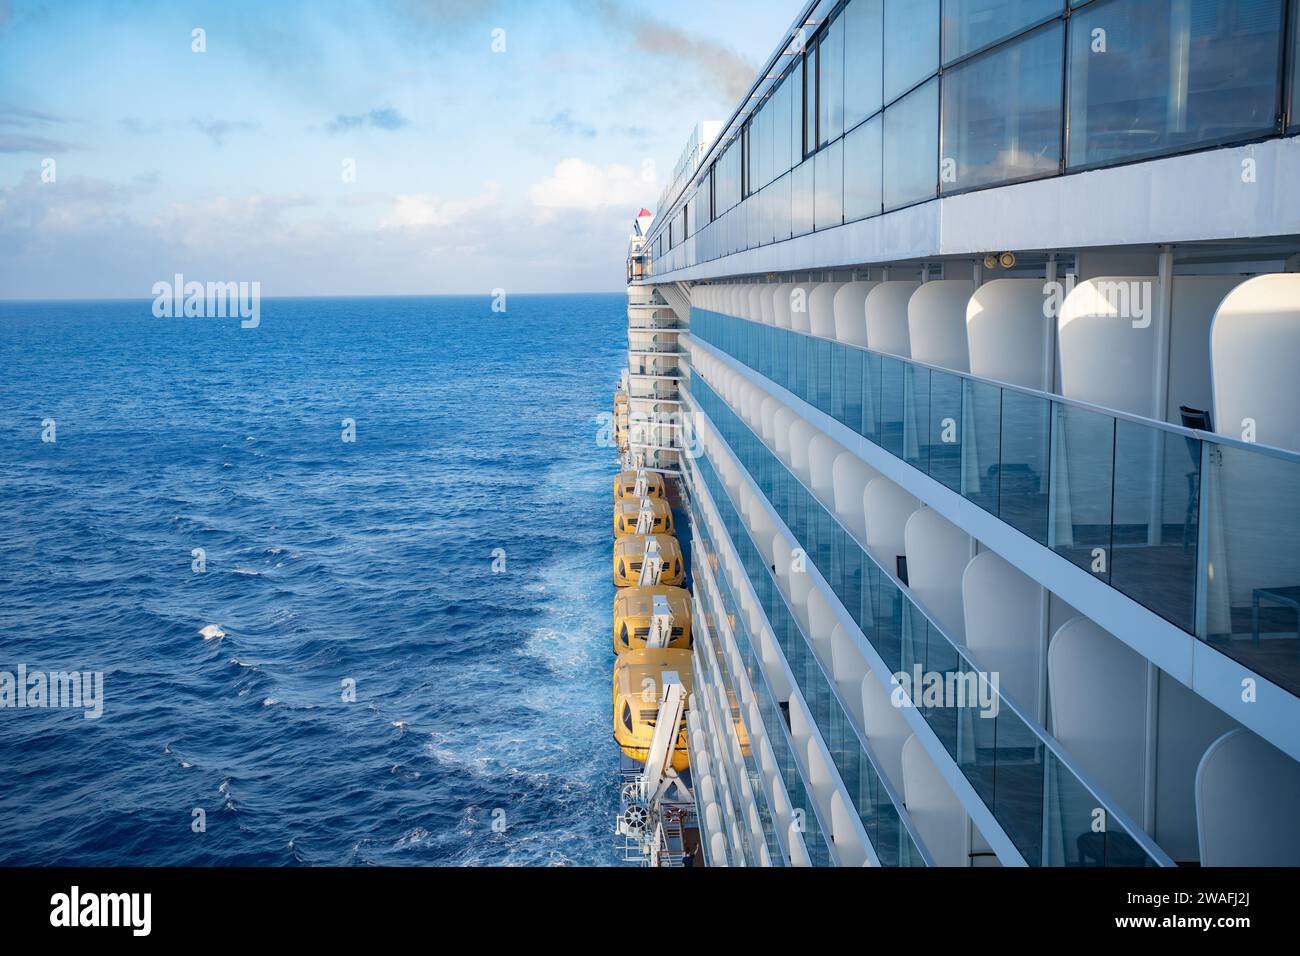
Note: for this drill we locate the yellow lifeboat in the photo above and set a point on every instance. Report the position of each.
(638, 685)
(634, 608)
(628, 511)
(629, 553)
(625, 485)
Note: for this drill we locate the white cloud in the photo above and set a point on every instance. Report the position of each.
(577, 184)
(420, 210)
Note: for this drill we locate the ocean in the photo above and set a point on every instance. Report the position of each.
(411, 659)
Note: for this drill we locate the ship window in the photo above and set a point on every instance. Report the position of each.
(830, 83)
(911, 45)
(863, 56)
(623, 634)
(1002, 113)
(627, 717)
(1149, 77)
(1295, 64)
(912, 147)
(970, 25)
(862, 185)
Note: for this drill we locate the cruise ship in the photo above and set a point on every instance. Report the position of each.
(958, 493)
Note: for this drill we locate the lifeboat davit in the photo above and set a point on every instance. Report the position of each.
(634, 608)
(627, 513)
(625, 485)
(638, 686)
(629, 554)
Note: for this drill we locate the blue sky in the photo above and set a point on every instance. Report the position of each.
(474, 169)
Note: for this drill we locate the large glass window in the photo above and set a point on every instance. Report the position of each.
(828, 210)
(863, 60)
(1158, 76)
(830, 83)
(862, 184)
(911, 44)
(1295, 64)
(970, 25)
(1002, 113)
(801, 199)
(796, 84)
(810, 101)
(911, 147)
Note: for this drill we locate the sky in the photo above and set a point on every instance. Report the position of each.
(351, 147)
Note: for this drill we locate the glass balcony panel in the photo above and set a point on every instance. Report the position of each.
(1083, 468)
(1023, 470)
(892, 405)
(946, 430)
(1251, 561)
(981, 448)
(871, 398)
(916, 417)
(1157, 493)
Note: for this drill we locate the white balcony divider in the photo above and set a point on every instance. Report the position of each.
(1247, 792)
(1004, 629)
(937, 554)
(1099, 700)
(1009, 331)
(886, 315)
(850, 312)
(936, 323)
(934, 807)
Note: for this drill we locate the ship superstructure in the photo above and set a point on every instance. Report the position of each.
(966, 350)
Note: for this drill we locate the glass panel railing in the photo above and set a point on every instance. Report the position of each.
(878, 806)
(757, 789)
(1249, 510)
(774, 722)
(1130, 501)
(1007, 759)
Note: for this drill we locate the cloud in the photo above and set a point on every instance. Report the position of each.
(20, 143)
(218, 129)
(383, 118)
(30, 132)
(577, 184)
(564, 124)
(17, 116)
(731, 72)
(425, 210)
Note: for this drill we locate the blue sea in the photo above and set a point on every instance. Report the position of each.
(480, 730)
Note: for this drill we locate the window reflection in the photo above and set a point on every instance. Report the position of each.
(911, 44)
(1002, 113)
(862, 184)
(970, 25)
(911, 147)
(863, 60)
(1158, 76)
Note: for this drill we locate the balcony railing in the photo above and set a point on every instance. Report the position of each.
(740, 720)
(878, 805)
(1040, 798)
(774, 721)
(1196, 527)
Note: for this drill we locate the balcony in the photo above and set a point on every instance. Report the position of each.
(1035, 792)
(1196, 527)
